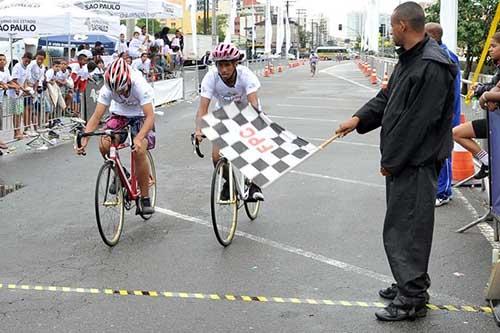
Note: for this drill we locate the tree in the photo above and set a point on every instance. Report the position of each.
(154, 25)
(474, 21)
(222, 22)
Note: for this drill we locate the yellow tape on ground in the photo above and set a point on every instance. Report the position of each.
(233, 298)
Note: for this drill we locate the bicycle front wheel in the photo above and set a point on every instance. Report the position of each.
(109, 204)
(152, 183)
(252, 209)
(224, 203)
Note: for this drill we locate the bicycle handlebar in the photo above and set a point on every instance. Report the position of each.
(106, 132)
(196, 145)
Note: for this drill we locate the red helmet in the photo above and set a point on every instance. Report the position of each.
(226, 52)
(117, 76)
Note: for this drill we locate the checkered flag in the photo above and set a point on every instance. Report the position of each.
(260, 148)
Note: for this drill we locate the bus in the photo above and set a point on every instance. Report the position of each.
(332, 52)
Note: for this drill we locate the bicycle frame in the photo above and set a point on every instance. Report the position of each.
(114, 157)
(235, 183)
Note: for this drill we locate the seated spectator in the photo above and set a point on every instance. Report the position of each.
(177, 57)
(465, 134)
(164, 35)
(135, 46)
(143, 64)
(98, 73)
(85, 49)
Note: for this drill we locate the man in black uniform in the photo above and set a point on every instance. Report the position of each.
(415, 113)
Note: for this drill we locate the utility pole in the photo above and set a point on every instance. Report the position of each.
(302, 27)
(205, 16)
(214, 23)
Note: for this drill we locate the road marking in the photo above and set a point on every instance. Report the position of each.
(302, 106)
(317, 98)
(328, 71)
(343, 180)
(301, 118)
(230, 298)
(485, 229)
(303, 253)
(344, 142)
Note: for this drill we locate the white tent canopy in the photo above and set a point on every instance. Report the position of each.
(132, 8)
(36, 18)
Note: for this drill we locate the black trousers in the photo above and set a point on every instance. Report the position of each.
(408, 230)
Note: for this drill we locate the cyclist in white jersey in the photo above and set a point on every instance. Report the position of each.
(231, 82)
(130, 101)
(313, 61)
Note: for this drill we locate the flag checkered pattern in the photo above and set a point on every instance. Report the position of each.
(260, 148)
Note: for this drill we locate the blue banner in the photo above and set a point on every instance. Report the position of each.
(494, 124)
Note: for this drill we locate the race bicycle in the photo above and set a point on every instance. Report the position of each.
(224, 210)
(116, 189)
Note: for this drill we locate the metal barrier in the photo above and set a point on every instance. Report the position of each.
(38, 116)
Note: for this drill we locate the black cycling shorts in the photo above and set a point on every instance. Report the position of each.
(480, 127)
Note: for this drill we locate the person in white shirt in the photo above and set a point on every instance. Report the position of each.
(85, 49)
(6, 83)
(98, 72)
(63, 79)
(142, 64)
(230, 83)
(134, 46)
(159, 43)
(121, 45)
(17, 103)
(130, 101)
(79, 75)
(36, 77)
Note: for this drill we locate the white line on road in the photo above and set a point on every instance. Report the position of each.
(349, 181)
(303, 106)
(328, 71)
(344, 142)
(301, 118)
(303, 253)
(318, 98)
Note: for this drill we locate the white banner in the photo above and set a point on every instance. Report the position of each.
(280, 32)
(167, 91)
(192, 5)
(36, 18)
(449, 22)
(132, 8)
(260, 148)
(269, 30)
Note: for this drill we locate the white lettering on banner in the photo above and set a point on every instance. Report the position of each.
(17, 27)
(105, 6)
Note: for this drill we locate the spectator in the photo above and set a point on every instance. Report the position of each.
(121, 45)
(465, 134)
(178, 41)
(53, 97)
(205, 60)
(435, 31)
(35, 80)
(177, 57)
(98, 51)
(415, 113)
(128, 60)
(134, 47)
(143, 34)
(85, 49)
(159, 44)
(164, 35)
(98, 72)
(146, 45)
(143, 64)
(63, 80)
(79, 75)
(15, 100)
(6, 83)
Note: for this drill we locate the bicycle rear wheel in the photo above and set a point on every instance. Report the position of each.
(152, 183)
(109, 204)
(224, 212)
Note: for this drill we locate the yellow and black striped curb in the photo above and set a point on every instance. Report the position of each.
(229, 297)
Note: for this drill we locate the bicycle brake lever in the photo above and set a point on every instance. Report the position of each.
(196, 145)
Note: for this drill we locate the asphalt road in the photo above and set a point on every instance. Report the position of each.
(319, 237)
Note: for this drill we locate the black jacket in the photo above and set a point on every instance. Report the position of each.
(482, 88)
(415, 111)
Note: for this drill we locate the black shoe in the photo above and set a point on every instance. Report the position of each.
(53, 135)
(395, 313)
(483, 172)
(146, 208)
(389, 293)
(255, 194)
(224, 193)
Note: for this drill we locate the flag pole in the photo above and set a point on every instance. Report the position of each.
(329, 141)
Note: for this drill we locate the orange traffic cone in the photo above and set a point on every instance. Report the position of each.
(373, 77)
(280, 69)
(271, 69)
(462, 163)
(385, 81)
(266, 71)
(368, 70)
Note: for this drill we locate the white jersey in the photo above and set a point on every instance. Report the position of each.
(62, 76)
(134, 48)
(121, 47)
(141, 93)
(143, 67)
(36, 74)
(20, 74)
(213, 87)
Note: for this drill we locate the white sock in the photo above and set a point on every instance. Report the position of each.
(483, 157)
